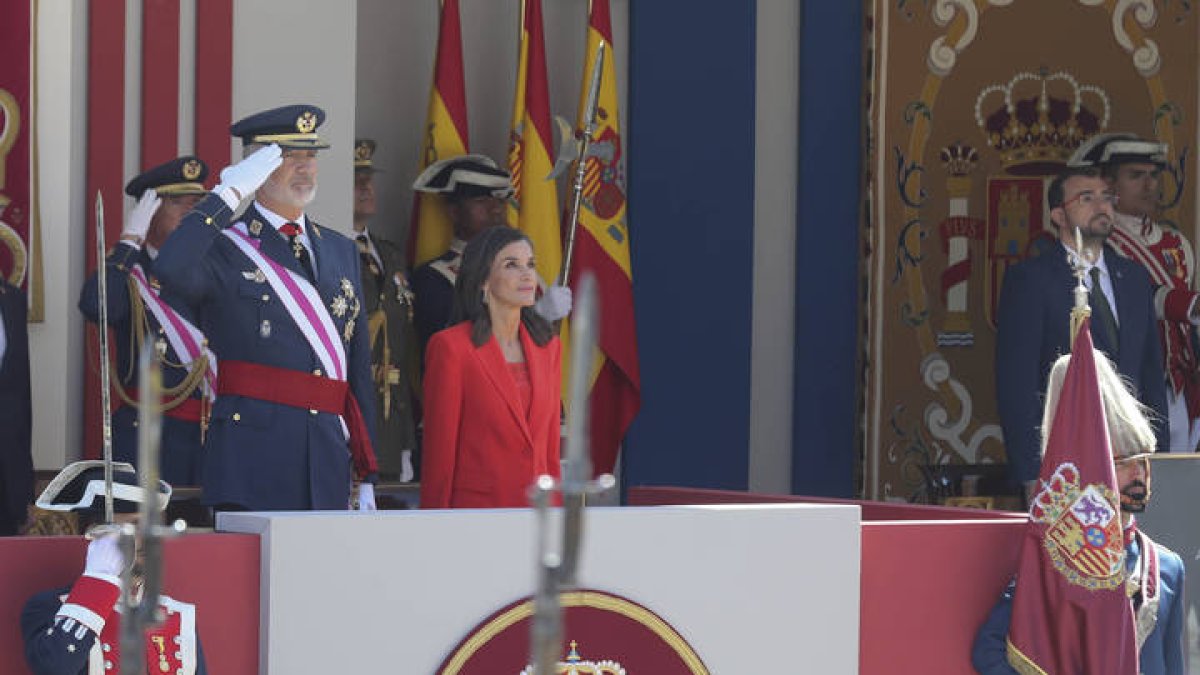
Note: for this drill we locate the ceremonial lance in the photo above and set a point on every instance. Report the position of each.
(105, 376)
(585, 141)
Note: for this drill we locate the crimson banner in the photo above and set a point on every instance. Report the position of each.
(16, 115)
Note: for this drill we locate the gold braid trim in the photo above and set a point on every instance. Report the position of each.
(1021, 663)
(377, 328)
(173, 397)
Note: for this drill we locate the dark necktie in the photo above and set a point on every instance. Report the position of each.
(292, 232)
(1102, 311)
(368, 260)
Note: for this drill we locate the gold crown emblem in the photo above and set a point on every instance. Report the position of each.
(959, 159)
(575, 665)
(1056, 495)
(1036, 135)
(306, 123)
(191, 169)
(363, 151)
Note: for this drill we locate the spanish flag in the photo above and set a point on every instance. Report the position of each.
(445, 135)
(1070, 612)
(533, 207)
(602, 247)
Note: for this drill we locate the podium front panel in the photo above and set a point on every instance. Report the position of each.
(751, 588)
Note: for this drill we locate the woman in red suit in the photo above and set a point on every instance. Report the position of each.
(492, 383)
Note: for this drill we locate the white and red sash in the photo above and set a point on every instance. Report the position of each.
(300, 300)
(187, 341)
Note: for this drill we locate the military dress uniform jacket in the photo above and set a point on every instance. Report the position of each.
(1034, 330)
(433, 291)
(387, 302)
(16, 421)
(182, 452)
(76, 631)
(482, 448)
(1161, 653)
(264, 455)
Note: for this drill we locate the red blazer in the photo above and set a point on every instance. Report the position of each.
(480, 450)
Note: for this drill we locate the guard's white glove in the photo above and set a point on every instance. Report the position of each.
(240, 180)
(366, 496)
(139, 218)
(104, 556)
(555, 303)
(406, 466)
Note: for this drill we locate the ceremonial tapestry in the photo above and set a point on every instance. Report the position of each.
(973, 106)
(18, 222)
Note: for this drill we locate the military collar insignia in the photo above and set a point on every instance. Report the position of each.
(255, 228)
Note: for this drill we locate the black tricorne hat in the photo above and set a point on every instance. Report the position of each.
(80, 487)
(465, 177)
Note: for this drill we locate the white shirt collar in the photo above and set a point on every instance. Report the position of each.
(277, 221)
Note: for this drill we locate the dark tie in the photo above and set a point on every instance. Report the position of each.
(1102, 311)
(368, 260)
(292, 232)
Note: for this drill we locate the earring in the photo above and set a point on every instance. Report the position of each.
(484, 296)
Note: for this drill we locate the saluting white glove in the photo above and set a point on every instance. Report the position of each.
(555, 303)
(104, 556)
(240, 180)
(139, 218)
(366, 496)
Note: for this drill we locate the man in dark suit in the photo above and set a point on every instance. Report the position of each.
(280, 301)
(16, 425)
(138, 310)
(387, 304)
(1034, 313)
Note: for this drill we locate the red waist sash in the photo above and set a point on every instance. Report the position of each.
(302, 390)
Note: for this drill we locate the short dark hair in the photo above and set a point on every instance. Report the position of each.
(477, 261)
(1054, 196)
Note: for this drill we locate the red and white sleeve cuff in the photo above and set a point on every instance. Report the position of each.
(91, 600)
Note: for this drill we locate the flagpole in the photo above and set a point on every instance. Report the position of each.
(1081, 311)
(585, 141)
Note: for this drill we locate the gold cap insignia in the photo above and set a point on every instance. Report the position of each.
(191, 170)
(306, 123)
(362, 151)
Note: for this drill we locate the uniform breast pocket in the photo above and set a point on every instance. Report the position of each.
(272, 322)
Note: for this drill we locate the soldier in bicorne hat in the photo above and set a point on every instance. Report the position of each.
(474, 190)
(1133, 166)
(75, 629)
(139, 310)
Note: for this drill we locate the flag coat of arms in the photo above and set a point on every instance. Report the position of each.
(1071, 614)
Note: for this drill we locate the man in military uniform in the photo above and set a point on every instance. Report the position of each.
(474, 190)
(293, 424)
(1132, 166)
(76, 629)
(1155, 573)
(138, 310)
(387, 304)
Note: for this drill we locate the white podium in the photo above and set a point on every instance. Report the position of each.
(751, 588)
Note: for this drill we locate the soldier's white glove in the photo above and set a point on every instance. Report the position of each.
(240, 180)
(406, 467)
(139, 218)
(104, 556)
(366, 496)
(555, 303)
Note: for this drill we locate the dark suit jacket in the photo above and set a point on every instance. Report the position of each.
(1034, 329)
(16, 424)
(481, 449)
